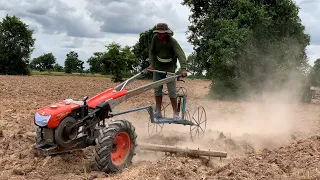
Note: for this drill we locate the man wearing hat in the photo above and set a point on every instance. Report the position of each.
(163, 55)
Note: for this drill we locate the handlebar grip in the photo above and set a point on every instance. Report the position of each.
(164, 72)
(178, 76)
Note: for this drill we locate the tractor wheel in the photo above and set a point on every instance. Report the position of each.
(115, 146)
(63, 135)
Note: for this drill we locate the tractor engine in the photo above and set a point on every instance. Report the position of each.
(57, 123)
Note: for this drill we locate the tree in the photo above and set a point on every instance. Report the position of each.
(246, 46)
(57, 67)
(35, 64)
(194, 66)
(16, 46)
(80, 67)
(315, 73)
(48, 61)
(71, 63)
(43, 62)
(141, 48)
(115, 61)
(95, 64)
(118, 61)
(132, 62)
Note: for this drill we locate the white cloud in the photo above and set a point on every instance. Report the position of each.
(88, 26)
(130, 16)
(313, 53)
(309, 14)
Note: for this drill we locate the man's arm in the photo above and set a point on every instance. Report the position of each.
(180, 54)
(152, 54)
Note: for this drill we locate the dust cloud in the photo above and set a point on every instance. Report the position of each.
(265, 120)
(270, 119)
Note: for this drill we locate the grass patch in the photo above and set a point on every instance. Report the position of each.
(54, 73)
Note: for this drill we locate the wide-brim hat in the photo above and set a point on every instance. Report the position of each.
(162, 28)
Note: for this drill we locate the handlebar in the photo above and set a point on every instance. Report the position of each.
(169, 73)
(164, 72)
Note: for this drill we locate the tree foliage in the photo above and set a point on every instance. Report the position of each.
(72, 63)
(141, 48)
(113, 60)
(16, 45)
(248, 45)
(43, 62)
(57, 67)
(315, 73)
(95, 64)
(131, 61)
(195, 66)
(118, 61)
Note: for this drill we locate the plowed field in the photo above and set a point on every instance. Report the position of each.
(263, 140)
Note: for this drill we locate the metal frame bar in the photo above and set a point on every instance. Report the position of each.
(149, 86)
(146, 87)
(172, 121)
(128, 81)
(167, 73)
(158, 121)
(132, 110)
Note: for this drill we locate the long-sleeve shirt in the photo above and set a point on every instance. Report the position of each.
(164, 51)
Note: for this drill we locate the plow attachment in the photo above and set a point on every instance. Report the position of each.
(141, 147)
(177, 150)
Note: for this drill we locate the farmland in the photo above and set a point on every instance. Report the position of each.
(261, 139)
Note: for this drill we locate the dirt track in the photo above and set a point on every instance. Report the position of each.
(263, 141)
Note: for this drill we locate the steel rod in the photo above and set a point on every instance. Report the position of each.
(128, 81)
(131, 110)
(149, 86)
(172, 149)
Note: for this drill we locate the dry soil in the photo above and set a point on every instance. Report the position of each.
(263, 140)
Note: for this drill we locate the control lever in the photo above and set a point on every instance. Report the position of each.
(85, 99)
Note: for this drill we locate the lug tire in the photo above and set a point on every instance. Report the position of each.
(115, 146)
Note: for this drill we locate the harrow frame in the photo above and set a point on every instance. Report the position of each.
(182, 106)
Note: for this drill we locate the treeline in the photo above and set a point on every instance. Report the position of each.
(244, 47)
(117, 61)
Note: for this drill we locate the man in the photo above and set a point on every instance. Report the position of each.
(163, 55)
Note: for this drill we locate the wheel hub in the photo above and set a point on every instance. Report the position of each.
(120, 148)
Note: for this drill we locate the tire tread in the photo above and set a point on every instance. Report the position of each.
(103, 147)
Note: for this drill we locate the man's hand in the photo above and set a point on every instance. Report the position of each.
(184, 74)
(150, 68)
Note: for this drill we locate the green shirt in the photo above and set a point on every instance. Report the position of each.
(171, 49)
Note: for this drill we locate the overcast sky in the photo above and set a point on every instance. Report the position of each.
(61, 26)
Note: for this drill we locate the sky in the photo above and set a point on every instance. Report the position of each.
(61, 26)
